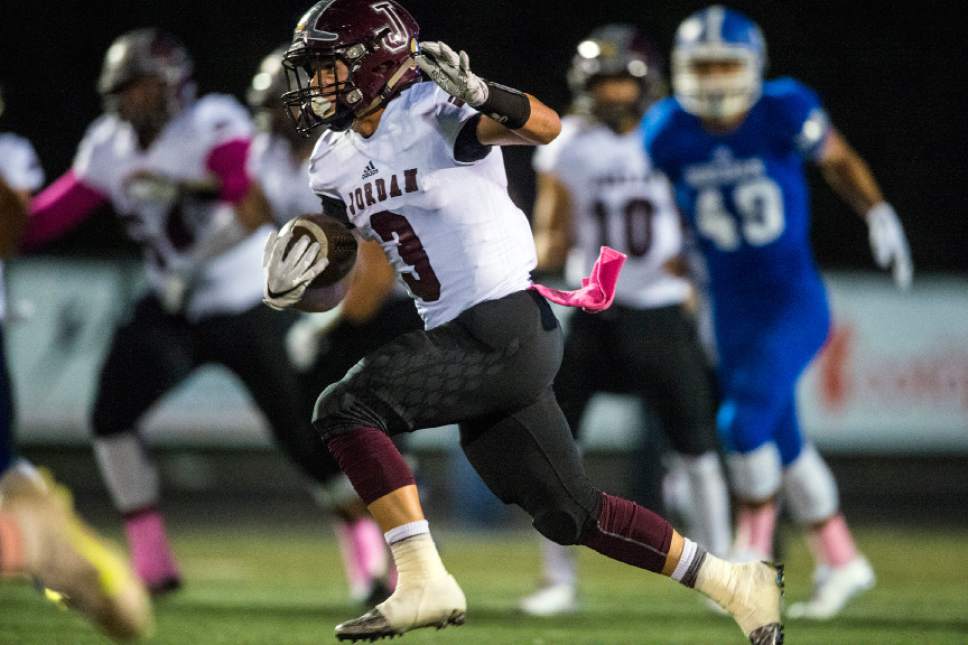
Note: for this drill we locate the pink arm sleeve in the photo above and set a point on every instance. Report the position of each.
(228, 162)
(59, 208)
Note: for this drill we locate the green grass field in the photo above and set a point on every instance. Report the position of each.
(255, 586)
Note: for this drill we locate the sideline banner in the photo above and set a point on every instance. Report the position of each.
(893, 377)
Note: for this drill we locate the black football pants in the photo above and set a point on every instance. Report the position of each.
(154, 351)
(490, 370)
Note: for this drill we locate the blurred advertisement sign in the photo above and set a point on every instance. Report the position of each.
(892, 378)
(61, 315)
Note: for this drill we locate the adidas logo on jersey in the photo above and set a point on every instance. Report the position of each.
(371, 193)
(369, 171)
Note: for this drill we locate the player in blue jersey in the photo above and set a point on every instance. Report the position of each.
(734, 147)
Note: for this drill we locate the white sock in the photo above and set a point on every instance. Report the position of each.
(710, 499)
(559, 563)
(689, 564)
(130, 475)
(404, 531)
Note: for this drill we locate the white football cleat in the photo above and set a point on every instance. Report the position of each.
(834, 587)
(551, 600)
(73, 565)
(435, 603)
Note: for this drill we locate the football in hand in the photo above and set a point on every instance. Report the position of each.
(336, 242)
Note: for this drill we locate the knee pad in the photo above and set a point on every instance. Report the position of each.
(755, 474)
(562, 525)
(809, 488)
(338, 409)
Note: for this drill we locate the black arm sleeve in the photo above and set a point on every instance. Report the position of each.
(467, 149)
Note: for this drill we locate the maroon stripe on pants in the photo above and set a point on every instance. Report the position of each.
(371, 461)
(630, 533)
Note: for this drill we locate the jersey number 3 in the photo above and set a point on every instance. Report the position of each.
(760, 206)
(388, 226)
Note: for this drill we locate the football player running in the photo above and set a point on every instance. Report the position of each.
(597, 187)
(40, 534)
(417, 166)
(173, 167)
(734, 147)
(323, 346)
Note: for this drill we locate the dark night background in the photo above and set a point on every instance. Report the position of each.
(891, 75)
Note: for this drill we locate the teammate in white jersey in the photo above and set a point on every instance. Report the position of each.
(417, 166)
(323, 346)
(596, 187)
(40, 534)
(174, 169)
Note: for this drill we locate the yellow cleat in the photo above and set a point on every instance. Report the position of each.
(75, 566)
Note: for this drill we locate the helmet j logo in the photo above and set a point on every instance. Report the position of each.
(397, 38)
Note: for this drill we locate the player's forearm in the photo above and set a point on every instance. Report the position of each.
(541, 125)
(850, 177)
(59, 208)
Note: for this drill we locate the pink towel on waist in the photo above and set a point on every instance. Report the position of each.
(597, 290)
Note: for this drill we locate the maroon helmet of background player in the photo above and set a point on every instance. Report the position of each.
(616, 51)
(140, 54)
(374, 39)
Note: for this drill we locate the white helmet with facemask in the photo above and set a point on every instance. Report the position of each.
(718, 35)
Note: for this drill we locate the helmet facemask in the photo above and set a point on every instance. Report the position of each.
(618, 114)
(147, 117)
(321, 90)
(717, 96)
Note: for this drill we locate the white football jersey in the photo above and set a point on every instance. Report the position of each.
(109, 160)
(619, 200)
(282, 177)
(449, 228)
(20, 169)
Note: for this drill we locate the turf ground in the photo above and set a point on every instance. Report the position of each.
(248, 585)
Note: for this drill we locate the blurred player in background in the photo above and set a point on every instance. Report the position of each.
(417, 166)
(40, 534)
(734, 147)
(597, 187)
(174, 168)
(323, 346)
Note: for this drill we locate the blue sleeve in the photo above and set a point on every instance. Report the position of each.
(802, 121)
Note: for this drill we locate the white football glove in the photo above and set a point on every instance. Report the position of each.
(145, 186)
(451, 71)
(889, 244)
(288, 274)
(306, 338)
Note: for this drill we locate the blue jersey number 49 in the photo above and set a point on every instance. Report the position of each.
(759, 204)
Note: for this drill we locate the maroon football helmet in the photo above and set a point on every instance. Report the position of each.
(616, 51)
(147, 53)
(360, 49)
